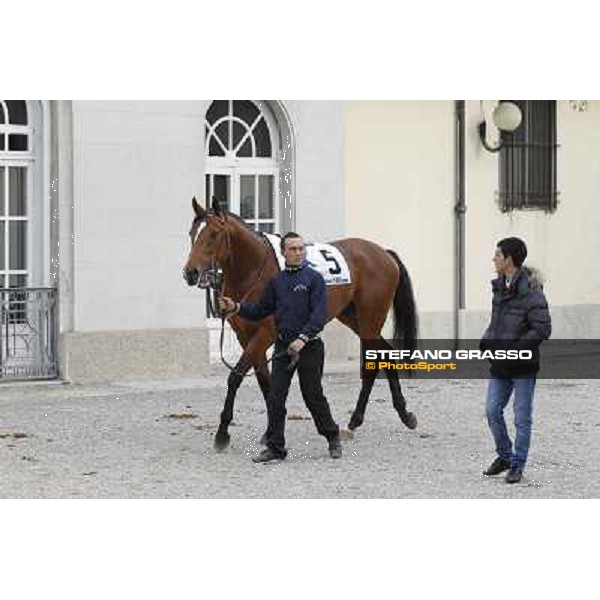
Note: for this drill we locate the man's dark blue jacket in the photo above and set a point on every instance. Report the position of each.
(297, 298)
(520, 321)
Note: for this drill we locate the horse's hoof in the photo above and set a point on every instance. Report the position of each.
(355, 422)
(410, 420)
(222, 439)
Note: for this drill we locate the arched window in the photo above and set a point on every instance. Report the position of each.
(242, 160)
(16, 159)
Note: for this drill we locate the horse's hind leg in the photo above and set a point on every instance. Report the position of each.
(398, 400)
(358, 416)
(368, 323)
(349, 318)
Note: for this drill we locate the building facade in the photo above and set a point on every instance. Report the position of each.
(95, 203)
(403, 183)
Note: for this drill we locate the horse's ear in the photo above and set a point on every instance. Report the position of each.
(216, 206)
(200, 212)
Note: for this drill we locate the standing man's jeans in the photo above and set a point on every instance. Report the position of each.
(310, 373)
(498, 394)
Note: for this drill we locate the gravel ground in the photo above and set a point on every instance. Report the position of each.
(155, 440)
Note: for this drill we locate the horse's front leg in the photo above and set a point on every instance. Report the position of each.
(234, 381)
(222, 437)
(253, 355)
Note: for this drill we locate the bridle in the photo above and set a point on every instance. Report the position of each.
(215, 278)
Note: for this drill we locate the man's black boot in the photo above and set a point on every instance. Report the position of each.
(498, 466)
(514, 475)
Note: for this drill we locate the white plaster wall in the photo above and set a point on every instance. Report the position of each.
(137, 165)
(319, 168)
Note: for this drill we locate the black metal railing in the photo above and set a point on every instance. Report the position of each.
(28, 333)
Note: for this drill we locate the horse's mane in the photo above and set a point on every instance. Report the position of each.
(258, 234)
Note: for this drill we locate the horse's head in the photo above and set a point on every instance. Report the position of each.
(209, 236)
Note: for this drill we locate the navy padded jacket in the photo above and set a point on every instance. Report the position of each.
(520, 321)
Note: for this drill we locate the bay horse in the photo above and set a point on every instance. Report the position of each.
(379, 281)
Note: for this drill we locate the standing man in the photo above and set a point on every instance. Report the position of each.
(520, 321)
(297, 298)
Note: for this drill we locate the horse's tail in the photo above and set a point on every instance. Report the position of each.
(405, 310)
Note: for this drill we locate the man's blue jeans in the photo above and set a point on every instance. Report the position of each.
(498, 395)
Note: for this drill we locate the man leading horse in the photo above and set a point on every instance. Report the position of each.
(297, 299)
(378, 281)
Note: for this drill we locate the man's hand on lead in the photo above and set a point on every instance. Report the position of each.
(226, 305)
(296, 346)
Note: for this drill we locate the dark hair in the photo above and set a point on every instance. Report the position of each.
(288, 236)
(515, 248)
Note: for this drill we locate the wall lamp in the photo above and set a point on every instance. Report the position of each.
(507, 116)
